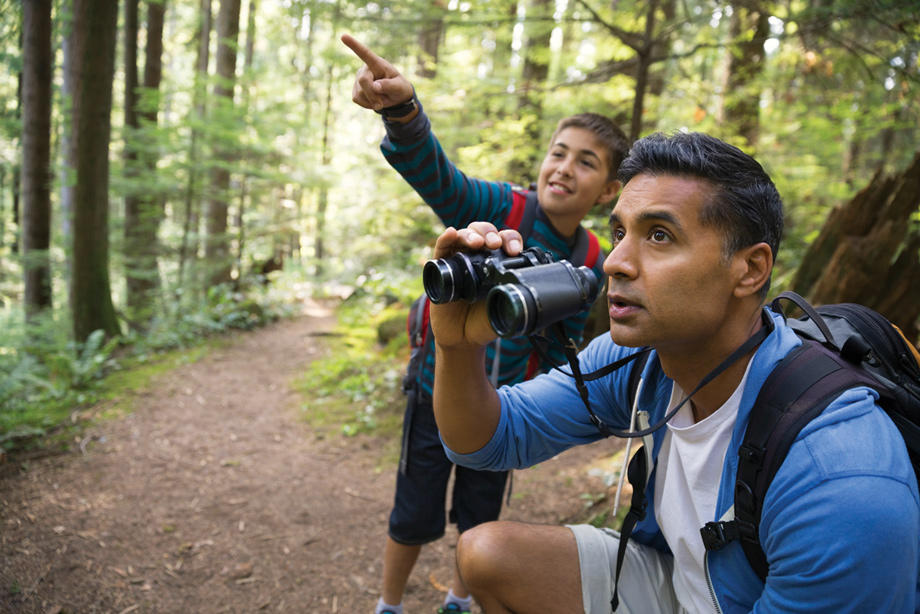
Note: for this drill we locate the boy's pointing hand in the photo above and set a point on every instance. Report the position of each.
(378, 84)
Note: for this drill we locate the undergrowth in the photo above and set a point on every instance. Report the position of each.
(47, 380)
(357, 388)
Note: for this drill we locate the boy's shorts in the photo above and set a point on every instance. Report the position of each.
(645, 580)
(418, 515)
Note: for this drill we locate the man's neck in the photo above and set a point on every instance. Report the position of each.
(688, 368)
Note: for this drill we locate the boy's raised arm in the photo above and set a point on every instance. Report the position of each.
(378, 84)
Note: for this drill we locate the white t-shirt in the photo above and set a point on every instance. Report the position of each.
(687, 485)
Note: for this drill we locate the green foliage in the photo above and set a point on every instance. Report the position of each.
(356, 389)
(47, 377)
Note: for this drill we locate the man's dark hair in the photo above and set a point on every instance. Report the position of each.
(745, 204)
(610, 135)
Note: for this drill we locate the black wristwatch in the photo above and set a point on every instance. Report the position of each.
(400, 110)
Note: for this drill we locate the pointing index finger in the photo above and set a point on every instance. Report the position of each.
(373, 61)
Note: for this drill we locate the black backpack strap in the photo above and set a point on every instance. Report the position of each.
(637, 474)
(525, 227)
(800, 387)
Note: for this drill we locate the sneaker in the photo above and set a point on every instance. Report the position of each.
(452, 608)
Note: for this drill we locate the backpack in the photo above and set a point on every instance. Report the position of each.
(521, 217)
(843, 346)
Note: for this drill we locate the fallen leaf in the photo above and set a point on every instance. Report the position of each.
(434, 582)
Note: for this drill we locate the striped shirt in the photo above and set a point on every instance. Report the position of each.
(458, 200)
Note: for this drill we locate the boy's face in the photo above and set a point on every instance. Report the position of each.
(573, 178)
(670, 283)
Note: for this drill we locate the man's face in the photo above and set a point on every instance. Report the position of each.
(670, 284)
(573, 177)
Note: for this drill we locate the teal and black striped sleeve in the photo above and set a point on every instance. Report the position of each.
(414, 151)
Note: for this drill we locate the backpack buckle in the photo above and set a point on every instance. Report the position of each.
(717, 535)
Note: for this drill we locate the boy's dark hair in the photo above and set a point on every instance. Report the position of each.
(611, 137)
(745, 204)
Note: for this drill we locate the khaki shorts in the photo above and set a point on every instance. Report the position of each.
(645, 580)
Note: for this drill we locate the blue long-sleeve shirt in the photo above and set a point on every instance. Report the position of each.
(841, 520)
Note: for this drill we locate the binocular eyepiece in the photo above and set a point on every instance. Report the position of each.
(523, 293)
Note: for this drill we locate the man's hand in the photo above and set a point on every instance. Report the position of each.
(460, 324)
(378, 84)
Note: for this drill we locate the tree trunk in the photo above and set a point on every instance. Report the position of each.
(131, 125)
(217, 247)
(244, 179)
(142, 222)
(429, 40)
(193, 189)
(92, 66)
(323, 197)
(749, 28)
(36, 155)
(867, 252)
(535, 51)
(643, 67)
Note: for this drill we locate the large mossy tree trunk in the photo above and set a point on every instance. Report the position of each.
(92, 67)
(868, 251)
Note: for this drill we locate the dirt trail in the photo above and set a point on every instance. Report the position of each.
(212, 496)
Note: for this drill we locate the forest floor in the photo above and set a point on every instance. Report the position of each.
(214, 495)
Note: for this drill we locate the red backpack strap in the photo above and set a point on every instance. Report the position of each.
(523, 212)
(518, 202)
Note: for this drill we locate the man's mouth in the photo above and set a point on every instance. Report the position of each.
(621, 306)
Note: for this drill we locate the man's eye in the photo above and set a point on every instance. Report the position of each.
(617, 235)
(659, 235)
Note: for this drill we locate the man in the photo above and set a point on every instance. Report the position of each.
(577, 174)
(695, 233)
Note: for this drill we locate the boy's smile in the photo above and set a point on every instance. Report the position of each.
(573, 178)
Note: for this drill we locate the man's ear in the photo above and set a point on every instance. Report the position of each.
(753, 266)
(610, 191)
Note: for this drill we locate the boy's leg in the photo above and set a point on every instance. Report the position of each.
(518, 567)
(398, 561)
(418, 515)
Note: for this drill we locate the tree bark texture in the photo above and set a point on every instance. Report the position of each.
(217, 248)
(144, 212)
(36, 155)
(429, 40)
(749, 27)
(92, 66)
(535, 52)
(868, 253)
(189, 247)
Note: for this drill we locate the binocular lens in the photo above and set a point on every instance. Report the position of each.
(438, 279)
(511, 310)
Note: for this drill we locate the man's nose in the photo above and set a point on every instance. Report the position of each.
(621, 261)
